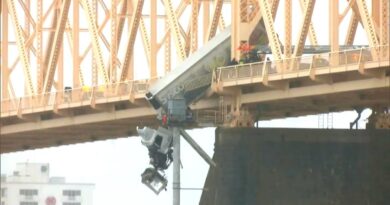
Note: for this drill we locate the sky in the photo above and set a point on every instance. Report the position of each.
(115, 166)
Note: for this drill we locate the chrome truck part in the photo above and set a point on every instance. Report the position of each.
(159, 144)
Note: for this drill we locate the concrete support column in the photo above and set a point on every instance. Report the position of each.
(176, 166)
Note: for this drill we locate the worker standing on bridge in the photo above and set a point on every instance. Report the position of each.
(245, 48)
(268, 65)
(233, 62)
(67, 94)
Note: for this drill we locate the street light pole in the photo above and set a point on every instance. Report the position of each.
(176, 166)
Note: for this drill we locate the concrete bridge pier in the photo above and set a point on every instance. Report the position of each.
(299, 167)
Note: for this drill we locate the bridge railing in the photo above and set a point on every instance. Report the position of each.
(128, 89)
(208, 117)
(297, 64)
(73, 97)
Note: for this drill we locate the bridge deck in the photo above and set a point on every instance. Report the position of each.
(315, 85)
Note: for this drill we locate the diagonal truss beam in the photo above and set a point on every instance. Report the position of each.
(130, 42)
(312, 33)
(174, 25)
(167, 50)
(56, 46)
(21, 48)
(97, 52)
(192, 30)
(271, 33)
(216, 16)
(28, 14)
(384, 22)
(274, 8)
(368, 25)
(222, 24)
(179, 12)
(145, 39)
(50, 42)
(121, 23)
(352, 28)
(302, 34)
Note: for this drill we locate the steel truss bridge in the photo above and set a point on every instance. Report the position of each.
(70, 69)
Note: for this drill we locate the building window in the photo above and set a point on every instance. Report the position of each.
(3, 192)
(28, 203)
(71, 194)
(28, 193)
(71, 203)
(43, 169)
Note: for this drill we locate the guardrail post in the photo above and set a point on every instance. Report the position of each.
(250, 72)
(236, 67)
(345, 59)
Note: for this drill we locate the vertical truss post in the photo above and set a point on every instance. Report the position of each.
(174, 25)
(287, 28)
(92, 27)
(194, 25)
(235, 39)
(135, 21)
(271, 33)
(375, 11)
(206, 18)
(94, 69)
(59, 85)
(4, 51)
(384, 27)
(214, 22)
(27, 10)
(39, 40)
(334, 31)
(77, 78)
(369, 27)
(130, 12)
(56, 47)
(21, 47)
(114, 41)
(153, 39)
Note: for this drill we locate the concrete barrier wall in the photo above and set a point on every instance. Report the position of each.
(299, 167)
